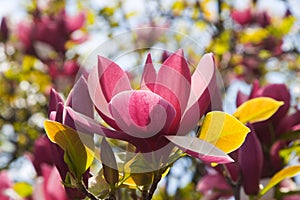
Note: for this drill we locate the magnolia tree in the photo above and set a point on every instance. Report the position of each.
(115, 123)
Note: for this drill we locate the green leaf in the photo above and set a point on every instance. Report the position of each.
(77, 156)
(139, 170)
(224, 131)
(281, 175)
(23, 189)
(257, 109)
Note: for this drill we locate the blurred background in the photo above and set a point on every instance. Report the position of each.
(44, 43)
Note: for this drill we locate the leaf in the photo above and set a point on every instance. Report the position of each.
(23, 189)
(109, 163)
(77, 156)
(200, 149)
(224, 131)
(257, 109)
(139, 170)
(98, 185)
(287, 172)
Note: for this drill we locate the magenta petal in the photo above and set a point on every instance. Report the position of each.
(203, 86)
(288, 123)
(55, 98)
(251, 163)
(53, 187)
(112, 78)
(241, 98)
(105, 81)
(141, 113)
(203, 76)
(149, 75)
(178, 62)
(90, 125)
(200, 149)
(75, 22)
(5, 183)
(79, 98)
(213, 182)
(42, 154)
(173, 83)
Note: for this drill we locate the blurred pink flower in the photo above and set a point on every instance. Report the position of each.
(270, 131)
(250, 16)
(54, 31)
(49, 186)
(214, 186)
(5, 183)
(242, 17)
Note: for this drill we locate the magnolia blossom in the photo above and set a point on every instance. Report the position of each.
(166, 107)
(54, 31)
(264, 162)
(58, 113)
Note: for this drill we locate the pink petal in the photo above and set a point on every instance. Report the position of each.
(5, 183)
(241, 98)
(251, 166)
(79, 98)
(200, 149)
(149, 75)
(104, 82)
(287, 123)
(75, 22)
(53, 187)
(141, 113)
(90, 125)
(203, 86)
(55, 98)
(173, 83)
(213, 182)
(255, 88)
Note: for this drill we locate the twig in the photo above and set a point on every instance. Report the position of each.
(157, 178)
(81, 187)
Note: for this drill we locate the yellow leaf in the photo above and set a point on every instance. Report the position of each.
(257, 109)
(77, 156)
(224, 131)
(281, 175)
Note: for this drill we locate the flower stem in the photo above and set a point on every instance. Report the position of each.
(157, 178)
(81, 187)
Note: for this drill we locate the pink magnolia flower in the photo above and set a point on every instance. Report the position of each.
(58, 113)
(51, 30)
(270, 131)
(165, 109)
